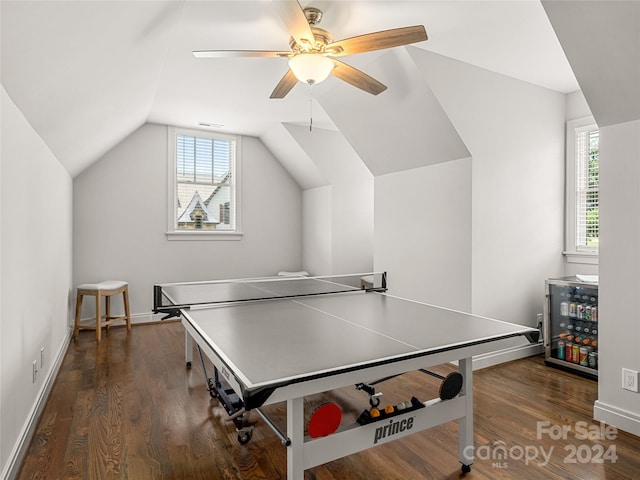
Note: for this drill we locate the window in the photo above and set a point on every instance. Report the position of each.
(583, 189)
(203, 185)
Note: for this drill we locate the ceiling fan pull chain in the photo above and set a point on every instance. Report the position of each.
(311, 107)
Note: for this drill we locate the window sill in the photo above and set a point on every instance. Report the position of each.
(206, 236)
(581, 257)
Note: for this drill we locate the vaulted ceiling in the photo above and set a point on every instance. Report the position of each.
(86, 74)
(602, 42)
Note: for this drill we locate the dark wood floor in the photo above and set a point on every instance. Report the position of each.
(127, 408)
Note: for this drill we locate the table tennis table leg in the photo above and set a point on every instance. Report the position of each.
(295, 432)
(188, 348)
(465, 424)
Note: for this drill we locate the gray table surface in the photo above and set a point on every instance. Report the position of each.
(275, 341)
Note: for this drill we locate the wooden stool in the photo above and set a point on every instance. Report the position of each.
(99, 290)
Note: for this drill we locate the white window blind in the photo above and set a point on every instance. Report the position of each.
(587, 189)
(203, 184)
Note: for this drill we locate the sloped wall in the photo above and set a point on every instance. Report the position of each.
(402, 128)
(35, 280)
(515, 133)
(120, 220)
(293, 157)
(601, 39)
(469, 174)
(349, 203)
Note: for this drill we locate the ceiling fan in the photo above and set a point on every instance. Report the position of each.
(313, 53)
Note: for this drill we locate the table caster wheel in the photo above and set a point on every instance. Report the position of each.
(211, 388)
(188, 364)
(374, 401)
(244, 438)
(466, 469)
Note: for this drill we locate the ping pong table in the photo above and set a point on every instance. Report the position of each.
(280, 339)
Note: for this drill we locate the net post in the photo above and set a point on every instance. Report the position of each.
(157, 298)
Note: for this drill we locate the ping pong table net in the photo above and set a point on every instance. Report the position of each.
(170, 298)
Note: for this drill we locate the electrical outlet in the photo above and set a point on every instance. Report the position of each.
(35, 371)
(630, 380)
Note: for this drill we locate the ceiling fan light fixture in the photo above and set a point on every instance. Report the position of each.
(311, 68)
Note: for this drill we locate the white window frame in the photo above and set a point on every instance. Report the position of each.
(572, 253)
(236, 173)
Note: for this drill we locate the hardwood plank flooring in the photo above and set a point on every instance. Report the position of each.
(127, 408)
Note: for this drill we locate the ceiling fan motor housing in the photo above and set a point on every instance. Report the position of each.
(322, 39)
(314, 15)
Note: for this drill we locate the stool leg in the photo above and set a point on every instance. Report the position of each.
(107, 317)
(76, 324)
(98, 317)
(125, 295)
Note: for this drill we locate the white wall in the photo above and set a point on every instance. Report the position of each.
(423, 233)
(348, 204)
(576, 106)
(293, 158)
(120, 221)
(35, 279)
(317, 230)
(611, 31)
(619, 279)
(515, 133)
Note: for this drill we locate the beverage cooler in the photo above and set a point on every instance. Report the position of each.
(571, 325)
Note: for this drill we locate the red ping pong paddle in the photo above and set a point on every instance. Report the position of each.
(324, 420)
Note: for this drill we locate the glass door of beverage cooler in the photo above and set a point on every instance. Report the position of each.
(571, 325)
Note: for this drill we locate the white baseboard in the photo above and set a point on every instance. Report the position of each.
(617, 417)
(507, 355)
(19, 450)
(148, 317)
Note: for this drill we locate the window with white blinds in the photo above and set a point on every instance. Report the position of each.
(583, 213)
(587, 181)
(203, 184)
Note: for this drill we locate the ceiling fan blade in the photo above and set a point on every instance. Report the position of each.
(284, 85)
(357, 78)
(237, 53)
(296, 21)
(377, 41)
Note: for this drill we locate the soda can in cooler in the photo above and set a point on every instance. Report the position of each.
(561, 351)
(568, 352)
(594, 313)
(575, 353)
(583, 356)
(593, 359)
(587, 313)
(573, 310)
(581, 307)
(564, 309)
